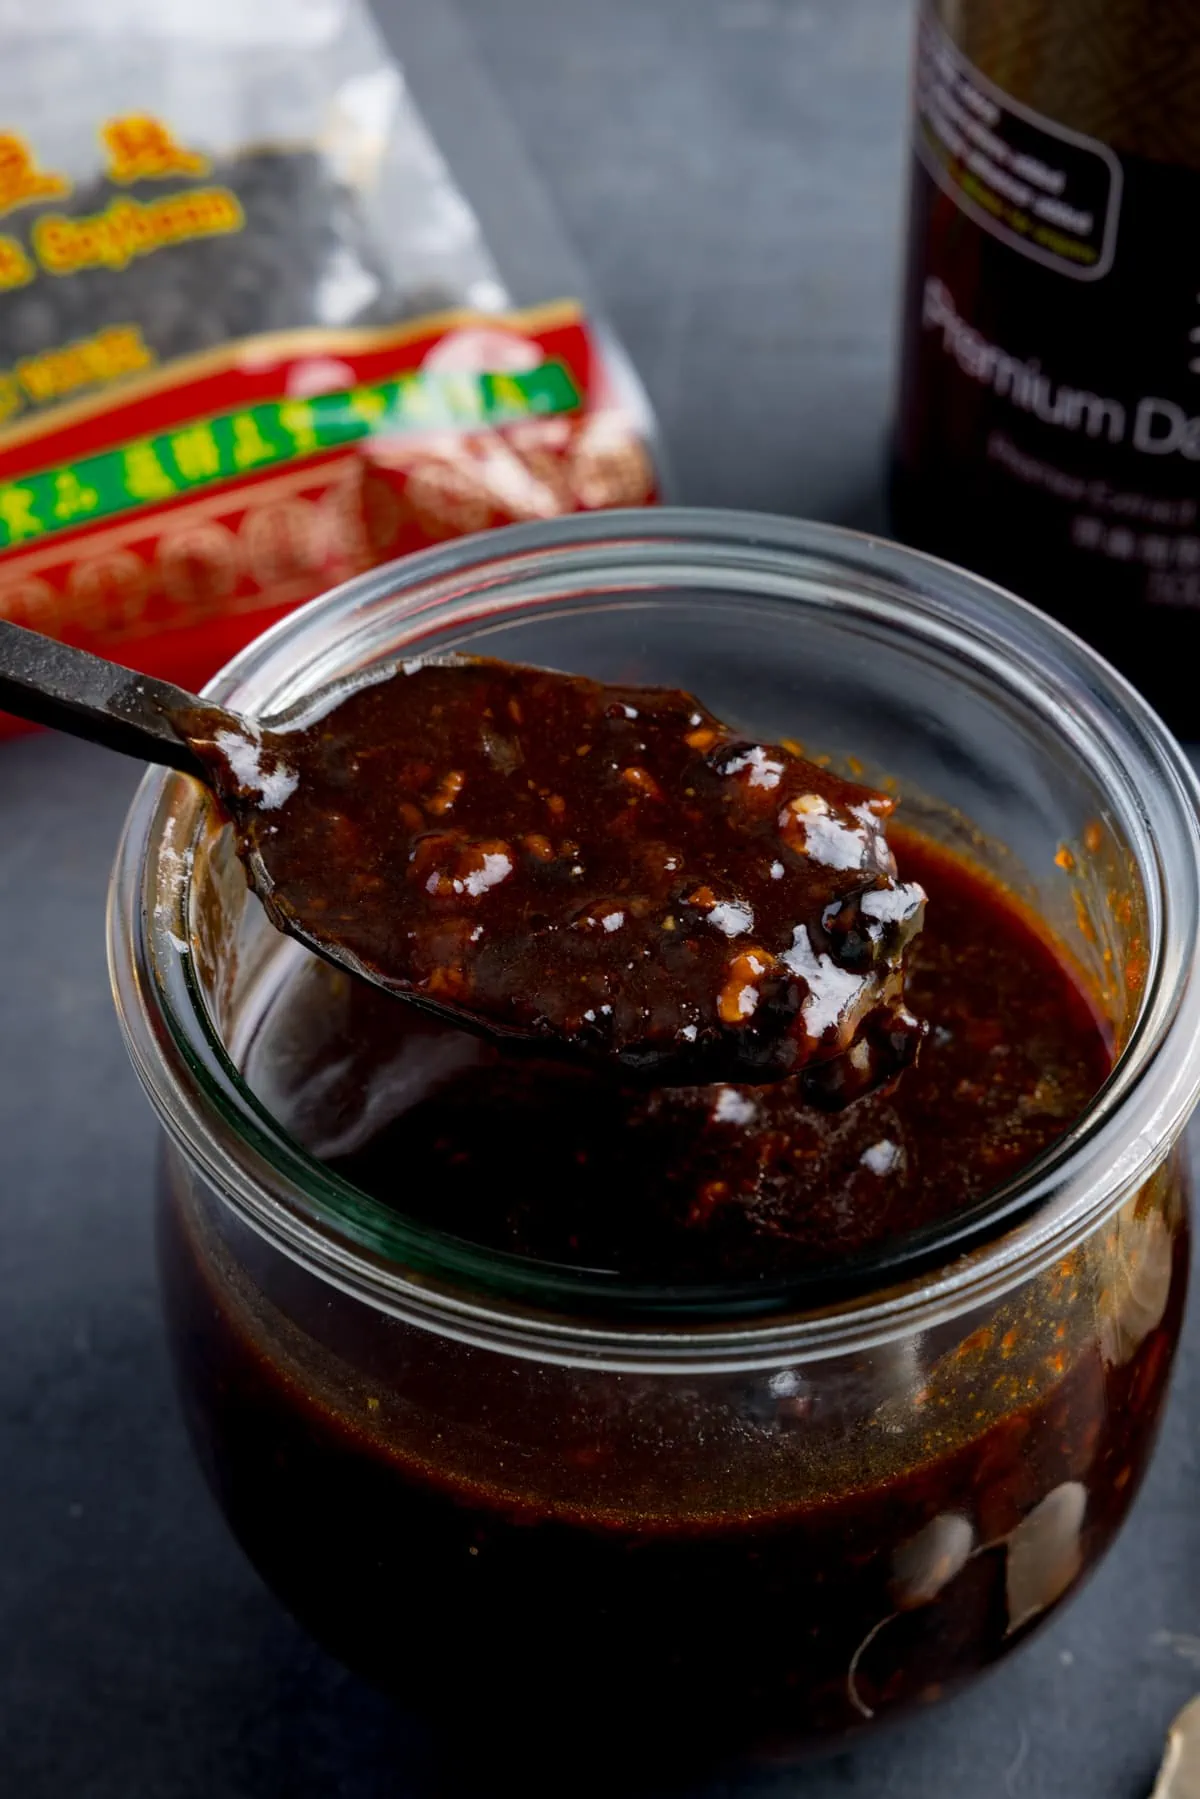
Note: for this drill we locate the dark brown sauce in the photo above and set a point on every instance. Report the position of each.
(604, 870)
(633, 1573)
(624, 1635)
(728, 1181)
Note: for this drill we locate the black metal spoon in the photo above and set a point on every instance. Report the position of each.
(50, 683)
(55, 684)
(353, 852)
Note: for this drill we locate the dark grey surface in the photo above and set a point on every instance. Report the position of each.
(730, 172)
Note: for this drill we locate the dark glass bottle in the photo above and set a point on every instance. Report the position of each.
(1049, 426)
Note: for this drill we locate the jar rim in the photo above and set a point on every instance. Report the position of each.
(538, 1308)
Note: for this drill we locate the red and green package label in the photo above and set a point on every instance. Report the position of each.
(171, 517)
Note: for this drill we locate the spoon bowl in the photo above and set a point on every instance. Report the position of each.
(598, 871)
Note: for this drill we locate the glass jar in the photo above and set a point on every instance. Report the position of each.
(583, 1511)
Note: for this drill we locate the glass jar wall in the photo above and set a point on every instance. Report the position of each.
(701, 1522)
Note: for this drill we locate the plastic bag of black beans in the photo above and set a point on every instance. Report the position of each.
(252, 339)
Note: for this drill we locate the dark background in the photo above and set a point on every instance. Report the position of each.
(730, 174)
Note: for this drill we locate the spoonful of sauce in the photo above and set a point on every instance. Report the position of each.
(598, 871)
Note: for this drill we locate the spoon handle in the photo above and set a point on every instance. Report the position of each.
(51, 683)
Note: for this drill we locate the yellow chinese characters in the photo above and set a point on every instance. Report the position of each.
(15, 266)
(88, 362)
(20, 178)
(72, 497)
(145, 476)
(249, 444)
(142, 148)
(196, 452)
(297, 418)
(17, 517)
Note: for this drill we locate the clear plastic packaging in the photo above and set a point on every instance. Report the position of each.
(253, 337)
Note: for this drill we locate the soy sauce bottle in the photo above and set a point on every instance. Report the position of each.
(1049, 420)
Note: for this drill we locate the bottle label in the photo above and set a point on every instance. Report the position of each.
(1050, 416)
(1050, 193)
